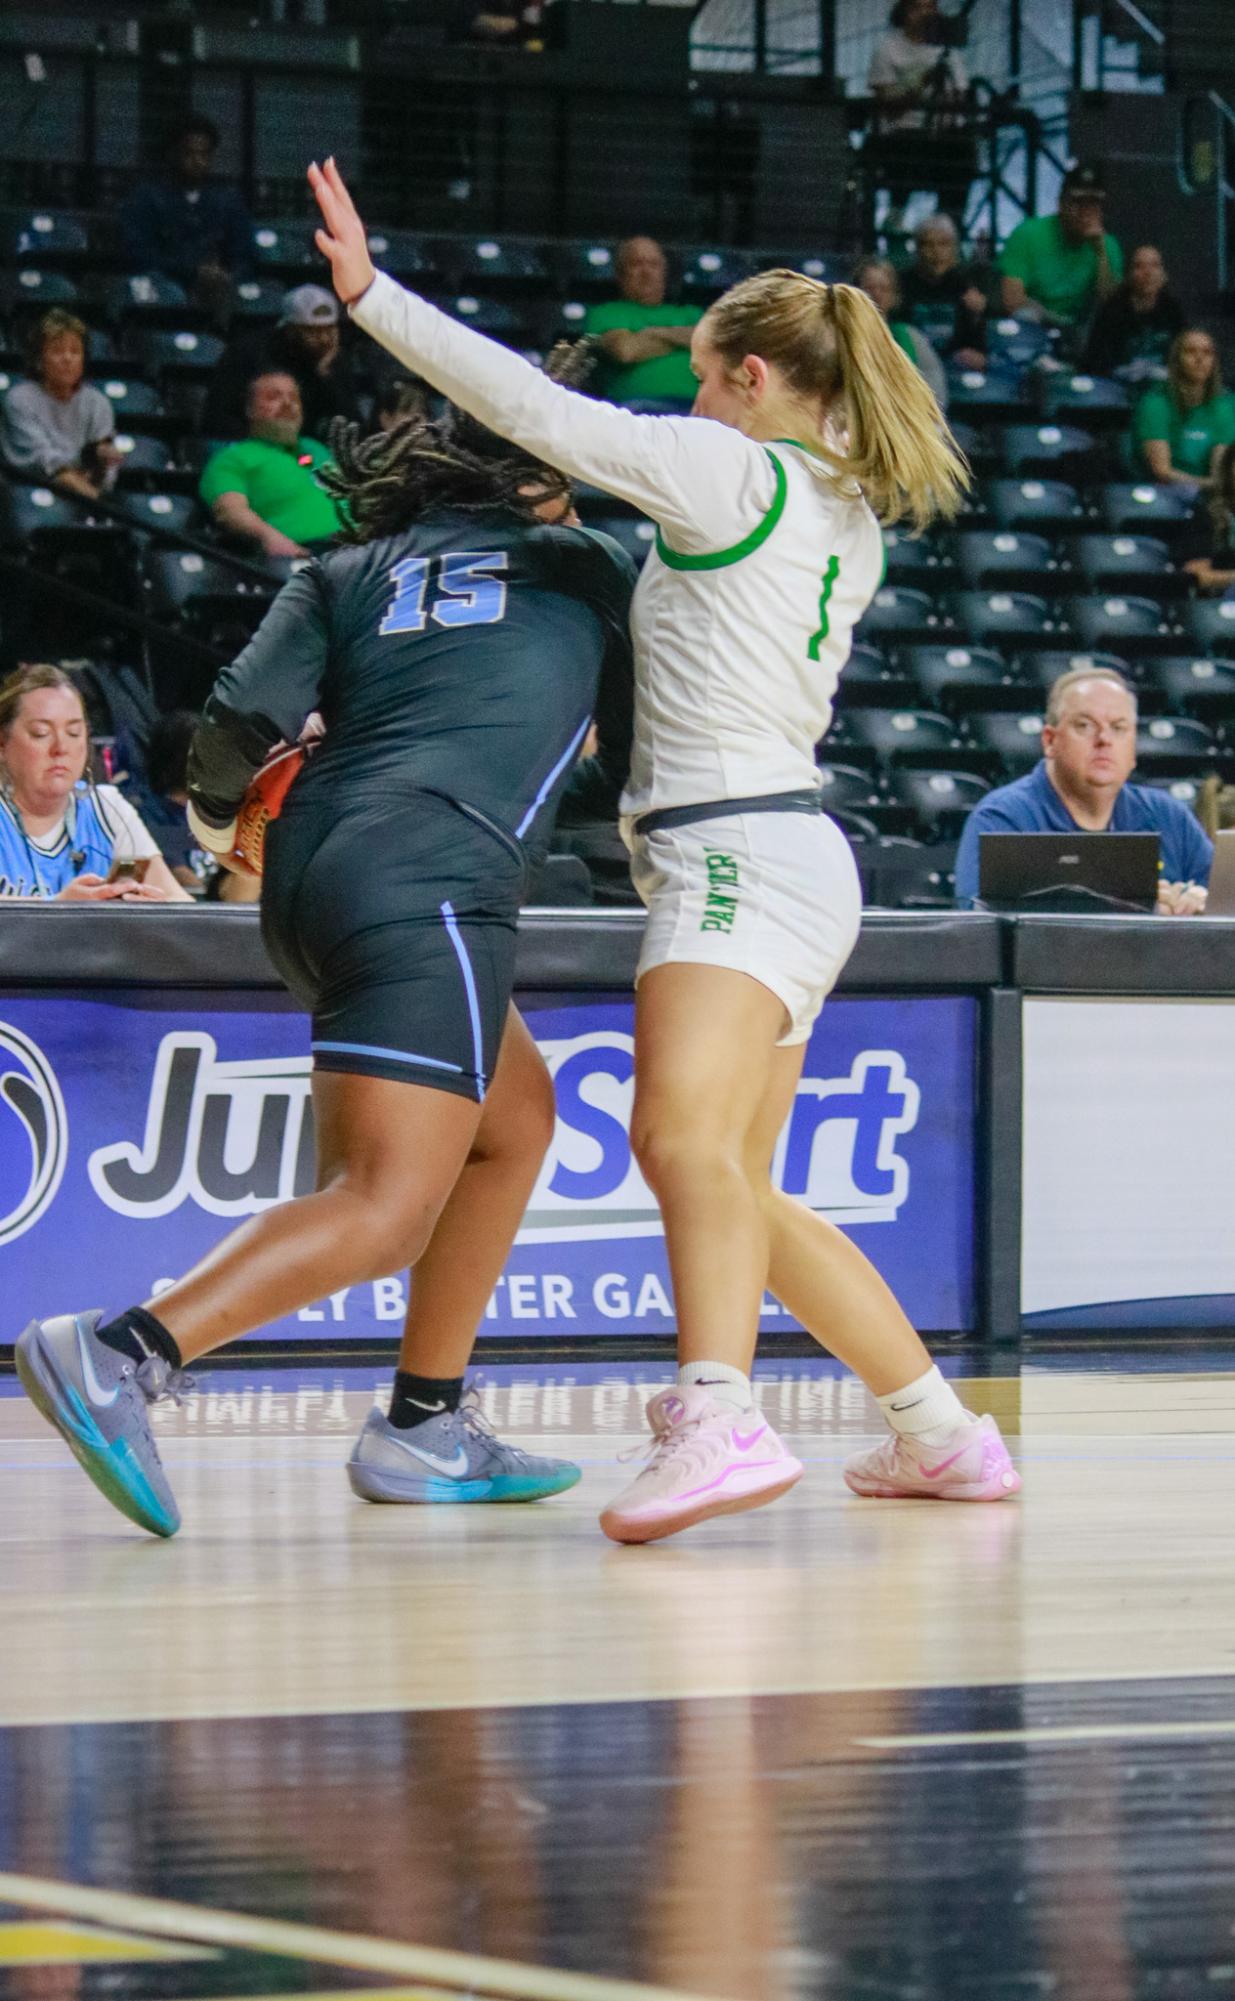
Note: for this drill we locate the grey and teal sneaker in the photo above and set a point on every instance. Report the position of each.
(97, 1400)
(454, 1457)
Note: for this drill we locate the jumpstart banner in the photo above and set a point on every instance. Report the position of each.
(136, 1128)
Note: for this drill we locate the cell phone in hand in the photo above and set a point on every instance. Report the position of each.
(131, 871)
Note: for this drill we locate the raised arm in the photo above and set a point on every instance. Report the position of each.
(706, 485)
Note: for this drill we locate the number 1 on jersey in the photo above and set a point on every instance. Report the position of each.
(466, 587)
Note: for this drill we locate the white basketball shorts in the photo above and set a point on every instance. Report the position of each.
(775, 895)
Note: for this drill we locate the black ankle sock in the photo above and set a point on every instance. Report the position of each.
(138, 1335)
(418, 1398)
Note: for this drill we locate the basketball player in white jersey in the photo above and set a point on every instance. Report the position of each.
(810, 427)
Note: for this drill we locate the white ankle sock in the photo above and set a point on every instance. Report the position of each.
(726, 1385)
(928, 1409)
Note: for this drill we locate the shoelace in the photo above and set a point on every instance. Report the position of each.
(474, 1420)
(668, 1441)
(157, 1379)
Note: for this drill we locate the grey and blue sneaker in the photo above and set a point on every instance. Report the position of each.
(97, 1400)
(454, 1457)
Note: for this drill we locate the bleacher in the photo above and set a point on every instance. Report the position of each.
(1062, 556)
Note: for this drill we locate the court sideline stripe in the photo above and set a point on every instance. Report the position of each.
(1061, 1733)
(466, 1973)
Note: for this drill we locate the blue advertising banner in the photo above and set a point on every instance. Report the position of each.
(136, 1128)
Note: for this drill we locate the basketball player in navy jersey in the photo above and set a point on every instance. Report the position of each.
(455, 652)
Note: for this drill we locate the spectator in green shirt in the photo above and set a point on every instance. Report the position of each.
(1057, 268)
(263, 488)
(1182, 427)
(645, 343)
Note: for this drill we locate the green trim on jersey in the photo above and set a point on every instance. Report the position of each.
(749, 543)
(825, 597)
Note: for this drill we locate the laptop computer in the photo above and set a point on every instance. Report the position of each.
(1221, 901)
(1068, 872)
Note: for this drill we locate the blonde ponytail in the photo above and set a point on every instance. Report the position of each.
(831, 342)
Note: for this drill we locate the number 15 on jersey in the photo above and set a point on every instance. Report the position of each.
(466, 587)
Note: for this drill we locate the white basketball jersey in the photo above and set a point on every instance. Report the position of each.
(738, 653)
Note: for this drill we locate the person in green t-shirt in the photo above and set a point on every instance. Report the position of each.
(263, 488)
(645, 343)
(1057, 268)
(1181, 428)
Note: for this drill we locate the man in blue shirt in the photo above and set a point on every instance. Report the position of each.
(187, 226)
(1081, 786)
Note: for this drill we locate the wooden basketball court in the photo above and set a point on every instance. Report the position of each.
(836, 1749)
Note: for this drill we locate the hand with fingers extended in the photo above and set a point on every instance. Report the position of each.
(341, 239)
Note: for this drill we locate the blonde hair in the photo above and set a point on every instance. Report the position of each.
(832, 342)
(1074, 677)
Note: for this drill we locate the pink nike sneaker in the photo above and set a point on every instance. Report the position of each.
(972, 1466)
(705, 1459)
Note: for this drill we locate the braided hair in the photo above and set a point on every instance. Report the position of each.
(386, 482)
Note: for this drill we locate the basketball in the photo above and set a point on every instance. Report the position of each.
(262, 803)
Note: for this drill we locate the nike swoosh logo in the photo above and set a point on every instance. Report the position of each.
(752, 1438)
(452, 1468)
(933, 1472)
(94, 1388)
(417, 1405)
(907, 1406)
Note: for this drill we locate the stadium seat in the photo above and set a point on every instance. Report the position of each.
(1055, 451)
(169, 511)
(1123, 624)
(961, 677)
(1089, 400)
(1044, 669)
(902, 733)
(855, 826)
(147, 300)
(258, 299)
(501, 319)
(146, 461)
(51, 238)
(588, 269)
(1186, 790)
(1210, 625)
(1142, 508)
(898, 612)
(1016, 343)
(1006, 558)
(709, 271)
(1205, 688)
(1044, 506)
(941, 800)
(915, 559)
(868, 667)
(27, 512)
(1140, 563)
(181, 584)
(635, 534)
(903, 874)
(1005, 619)
(32, 289)
(1174, 742)
(986, 396)
(136, 404)
(845, 788)
(288, 248)
(488, 263)
(981, 448)
(182, 353)
(1016, 740)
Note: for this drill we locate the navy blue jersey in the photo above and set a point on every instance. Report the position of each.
(464, 657)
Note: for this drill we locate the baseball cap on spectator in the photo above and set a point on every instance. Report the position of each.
(309, 306)
(1083, 179)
